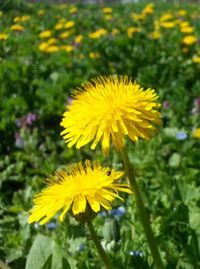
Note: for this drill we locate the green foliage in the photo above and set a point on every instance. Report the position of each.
(35, 87)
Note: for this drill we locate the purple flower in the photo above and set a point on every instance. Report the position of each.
(166, 104)
(26, 120)
(181, 135)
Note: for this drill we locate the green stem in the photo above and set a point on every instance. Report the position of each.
(98, 245)
(142, 211)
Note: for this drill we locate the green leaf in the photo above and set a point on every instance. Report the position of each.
(174, 160)
(39, 252)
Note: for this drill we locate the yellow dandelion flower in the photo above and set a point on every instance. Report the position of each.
(67, 48)
(137, 17)
(189, 40)
(52, 40)
(196, 59)
(196, 133)
(52, 49)
(69, 24)
(73, 10)
(132, 30)
(78, 39)
(148, 9)
(184, 24)
(17, 27)
(108, 17)
(76, 189)
(43, 46)
(65, 34)
(168, 24)
(17, 19)
(94, 55)
(115, 31)
(187, 29)
(155, 35)
(166, 17)
(107, 10)
(182, 12)
(3, 36)
(45, 34)
(98, 33)
(59, 26)
(119, 108)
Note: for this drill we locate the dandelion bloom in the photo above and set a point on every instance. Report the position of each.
(189, 40)
(17, 27)
(77, 188)
(106, 109)
(196, 133)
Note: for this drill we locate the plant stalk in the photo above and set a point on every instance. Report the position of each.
(98, 245)
(142, 211)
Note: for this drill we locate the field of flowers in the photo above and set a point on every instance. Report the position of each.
(47, 51)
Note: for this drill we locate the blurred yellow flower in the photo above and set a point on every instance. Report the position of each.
(107, 10)
(59, 26)
(187, 30)
(3, 36)
(148, 9)
(67, 48)
(98, 33)
(1, 13)
(45, 34)
(115, 31)
(166, 17)
(119, 108)
(42, 46)
(22, 18)
(137, 17)
(189, 40)
(52, 41)
(181, 12)
(78, 39)
(94, 55)
(41, 12)
(65, 34)
(168, 24)
(77, 189)
(52, 49)
(155, 35)
(132, 30)
(17, 27)
(184, 24)
(196, 133)
(108, 17)
(69, 24)
(73, 10)
(196, 59)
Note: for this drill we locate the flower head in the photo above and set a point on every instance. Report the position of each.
(107, 109)
(76, 189)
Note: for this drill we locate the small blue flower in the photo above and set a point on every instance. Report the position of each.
(181, 135)
(136, 253)
(81, 247)
(51, 226)
(118, 212)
